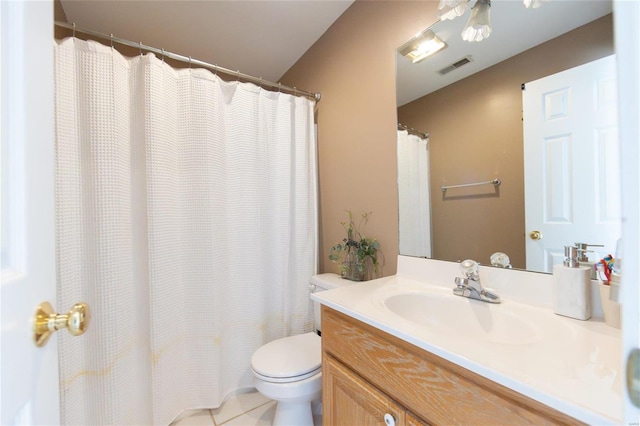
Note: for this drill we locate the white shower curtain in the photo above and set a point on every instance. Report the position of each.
(413, 195)
(187, 220)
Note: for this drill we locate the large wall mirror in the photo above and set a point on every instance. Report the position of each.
(463, 107)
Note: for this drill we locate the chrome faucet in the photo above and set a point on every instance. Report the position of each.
(470, 285)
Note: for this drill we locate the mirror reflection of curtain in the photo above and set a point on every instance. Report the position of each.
(413, 195)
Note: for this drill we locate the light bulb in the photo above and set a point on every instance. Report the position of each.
(479, 26)
(450, 9)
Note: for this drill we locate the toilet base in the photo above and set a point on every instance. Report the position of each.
(293, 414)
(293, 399)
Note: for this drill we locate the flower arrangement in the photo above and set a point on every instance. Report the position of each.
(356, 252)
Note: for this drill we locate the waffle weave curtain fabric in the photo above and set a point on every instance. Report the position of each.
(186, 217)
(414, 195)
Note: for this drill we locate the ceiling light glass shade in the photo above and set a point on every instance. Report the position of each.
(450, 9)
(533, 4)
(423, 46)
(479, 26)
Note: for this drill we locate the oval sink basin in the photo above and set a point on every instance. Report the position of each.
(462, 317)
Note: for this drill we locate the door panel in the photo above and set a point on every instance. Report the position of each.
(28, 375)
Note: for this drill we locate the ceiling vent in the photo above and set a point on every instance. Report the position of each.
(462, 62)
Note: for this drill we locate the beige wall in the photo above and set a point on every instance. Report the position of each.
(353, 66)
(478, 122)
(58, 12)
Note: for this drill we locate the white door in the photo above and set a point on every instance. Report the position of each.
(627, 36)
(571, 153)
(28, 375)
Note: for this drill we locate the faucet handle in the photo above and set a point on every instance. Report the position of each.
(461, 282)
(500, 259)
(469, 268)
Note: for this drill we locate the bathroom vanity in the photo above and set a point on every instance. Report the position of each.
(359, 361)
(403, 350)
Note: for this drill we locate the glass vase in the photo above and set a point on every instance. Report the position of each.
(353, 268)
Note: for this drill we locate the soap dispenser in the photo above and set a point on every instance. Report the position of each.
(572, 286)
(583, 259)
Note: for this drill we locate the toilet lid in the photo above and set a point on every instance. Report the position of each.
(289, 357)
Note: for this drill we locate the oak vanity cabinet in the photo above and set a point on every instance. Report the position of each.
(349, 400)
(369, 374)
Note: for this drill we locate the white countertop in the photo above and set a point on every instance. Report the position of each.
(570, 365)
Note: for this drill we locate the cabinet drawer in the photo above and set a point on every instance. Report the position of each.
(437, 390)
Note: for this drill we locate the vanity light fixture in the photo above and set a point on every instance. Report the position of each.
(479, 26)
(422, 46)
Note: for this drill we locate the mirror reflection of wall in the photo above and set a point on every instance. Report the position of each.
(476, 134)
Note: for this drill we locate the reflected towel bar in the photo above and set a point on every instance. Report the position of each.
(495, 182)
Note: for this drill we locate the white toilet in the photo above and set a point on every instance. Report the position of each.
(288, 370)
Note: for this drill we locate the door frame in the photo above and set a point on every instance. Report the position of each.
(627, 38)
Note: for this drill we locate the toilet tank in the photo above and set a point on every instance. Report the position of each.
(322, 282)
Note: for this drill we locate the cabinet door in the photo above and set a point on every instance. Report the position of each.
(414, 421)
(348, 400)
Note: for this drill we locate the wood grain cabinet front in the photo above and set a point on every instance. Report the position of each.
(349, 400)
(368, 373)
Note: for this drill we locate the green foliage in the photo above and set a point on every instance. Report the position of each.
(356, 248)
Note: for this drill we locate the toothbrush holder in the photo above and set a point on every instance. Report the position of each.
(611, 308)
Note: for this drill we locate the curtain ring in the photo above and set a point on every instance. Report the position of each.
(111, 38)
(162, 50)
(140, 46)
(215, 69)
(279, 87)
(295, 91)
(238, 76)
(74, 30)
(189, 62)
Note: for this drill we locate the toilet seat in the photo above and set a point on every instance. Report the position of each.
(286, 379)
(289, 359)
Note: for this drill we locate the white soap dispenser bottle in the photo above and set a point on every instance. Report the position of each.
(572, 287)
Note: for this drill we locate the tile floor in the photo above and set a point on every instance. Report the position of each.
(247, 409)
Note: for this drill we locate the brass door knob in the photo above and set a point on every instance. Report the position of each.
(47, 321)
(633, 376)
(535, 235)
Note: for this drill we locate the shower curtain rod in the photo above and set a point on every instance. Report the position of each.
(411, 129)
(188, 59)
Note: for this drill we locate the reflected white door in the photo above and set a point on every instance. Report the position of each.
(571, 154)
(28, 375)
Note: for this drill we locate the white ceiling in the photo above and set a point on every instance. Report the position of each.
(515, 29)
(259, 38)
